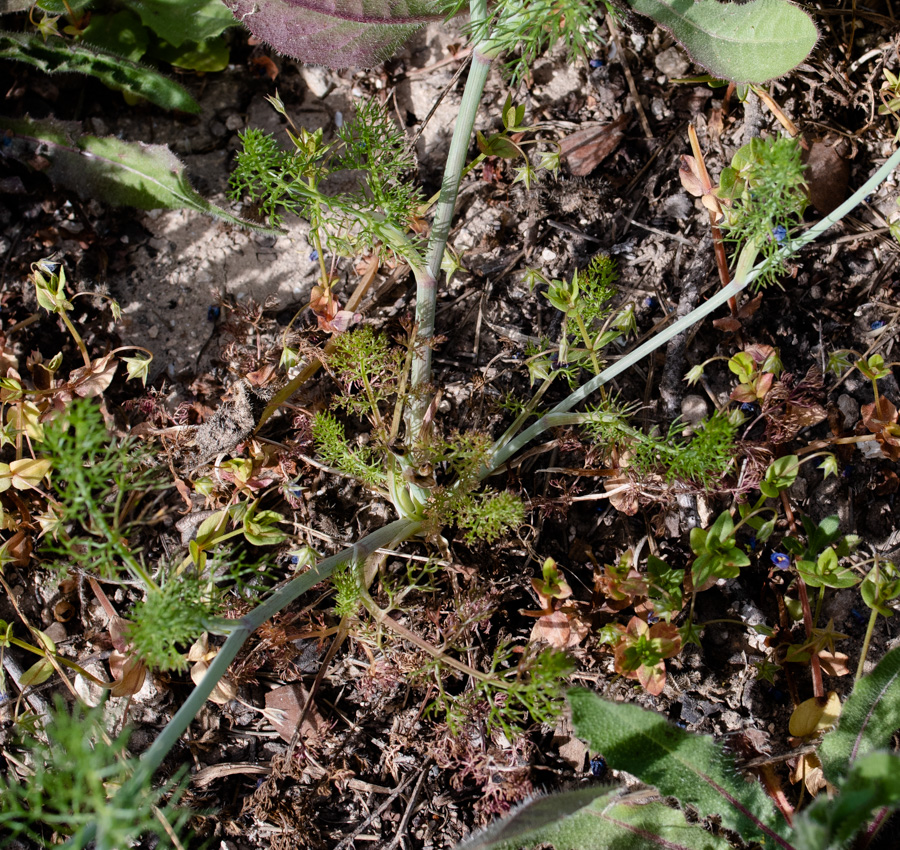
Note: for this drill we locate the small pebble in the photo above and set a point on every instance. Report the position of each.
(694, 408)
(849, 407)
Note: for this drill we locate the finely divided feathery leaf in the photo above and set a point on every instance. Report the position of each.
(869, 718)
(691, 767)
(597, 818)
(56, 56)
(335, 33)
(747, 43)
(124, 173)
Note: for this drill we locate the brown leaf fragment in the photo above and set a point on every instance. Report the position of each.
(834, 663)
(88, 382)
(285, 705)
(585, 149)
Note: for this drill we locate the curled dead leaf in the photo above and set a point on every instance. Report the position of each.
(129, 673)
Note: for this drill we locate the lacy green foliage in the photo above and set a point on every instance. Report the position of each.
(362, 463)
(362, 358)
(747, 43)
(74, 774)
(347, 590)
(57, 56)
(487, 516)
(283, 182)
(94, 474)
(702, 460)
(172, 617)
(765, 187)
(530, 28)
(340, 34)
(598, 287)
(124, 173)
(511, 696)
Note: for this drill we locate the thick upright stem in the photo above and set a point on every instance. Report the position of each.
(426, 284)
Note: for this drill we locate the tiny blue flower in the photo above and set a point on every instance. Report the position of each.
(753, 543)
(213, 313)
(313, 256)
(652, 618)
(650, 302)
(596, 63)
(877, 324)
(780, 560)
(295, 559)
(598, 767)
(780, 233)
(748, 407)
(847, 471)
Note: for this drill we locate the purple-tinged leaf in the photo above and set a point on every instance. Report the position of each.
(335, 33)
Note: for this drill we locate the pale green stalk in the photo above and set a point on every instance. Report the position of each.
(502, 452)
(426, 284)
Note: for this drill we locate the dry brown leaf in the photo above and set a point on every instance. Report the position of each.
(88, 382)
(585, 149)
(129, 672)
(285, 705)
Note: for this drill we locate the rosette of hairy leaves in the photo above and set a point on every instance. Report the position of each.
(94, 476)
(73, 775)
(171, 618)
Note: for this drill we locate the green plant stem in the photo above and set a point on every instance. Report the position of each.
(426, 283)
(77, 337)
(501, 454)
(870, 628)
(588, 344)
(386, 537)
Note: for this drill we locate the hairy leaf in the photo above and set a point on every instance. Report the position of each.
(178, 21)
(56, 56)
(870, 717)
(747, 43)
(595, 817)
(691, 767)
(873, 783)
(335, 33)
(124, 173)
